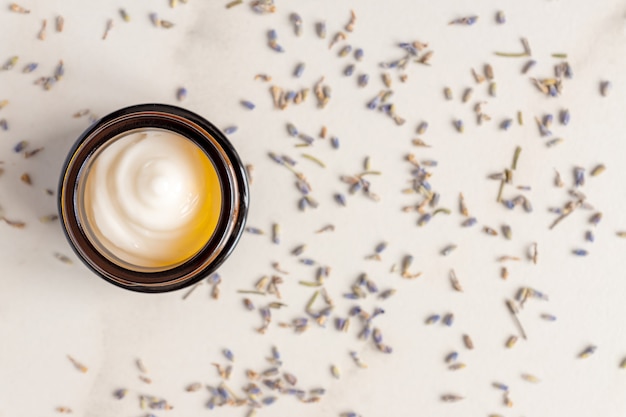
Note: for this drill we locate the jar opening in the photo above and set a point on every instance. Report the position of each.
(150, 199)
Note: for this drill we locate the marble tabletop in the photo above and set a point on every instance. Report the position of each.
(50, 310)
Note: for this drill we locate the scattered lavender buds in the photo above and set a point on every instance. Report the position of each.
(469, 20)
(605, 88)
(500, 17)
(386, 272)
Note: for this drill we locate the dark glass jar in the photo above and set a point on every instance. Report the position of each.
(233, 188)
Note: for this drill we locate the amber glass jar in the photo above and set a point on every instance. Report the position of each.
(225, 194)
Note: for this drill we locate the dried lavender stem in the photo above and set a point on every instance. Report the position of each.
(514, 312)
(564, 215)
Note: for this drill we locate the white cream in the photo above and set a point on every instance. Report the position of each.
(152, 198)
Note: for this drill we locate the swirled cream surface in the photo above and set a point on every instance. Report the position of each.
(152, 198)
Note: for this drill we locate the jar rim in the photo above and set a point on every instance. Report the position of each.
(231, 174)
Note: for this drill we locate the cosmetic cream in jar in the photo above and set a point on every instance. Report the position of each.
(153, 198)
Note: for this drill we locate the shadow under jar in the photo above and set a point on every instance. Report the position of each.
(153, 198)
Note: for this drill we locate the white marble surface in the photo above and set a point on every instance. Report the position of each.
(49, 310)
